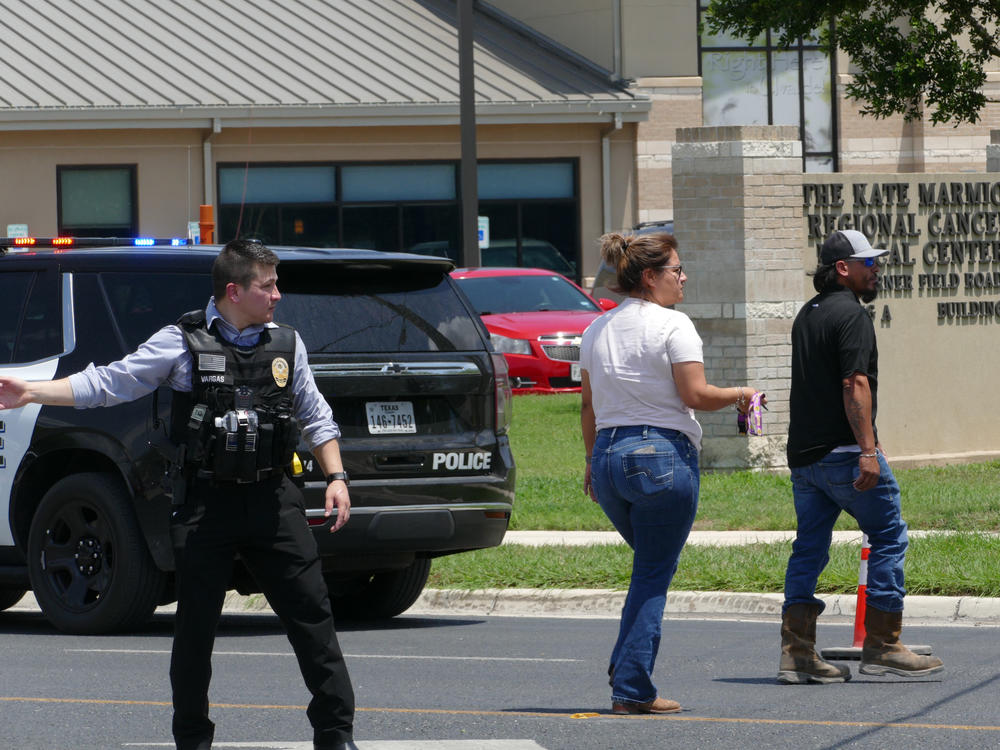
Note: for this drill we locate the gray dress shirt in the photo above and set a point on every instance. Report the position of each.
(164, 359)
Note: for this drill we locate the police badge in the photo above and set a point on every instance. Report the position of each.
(279, 369)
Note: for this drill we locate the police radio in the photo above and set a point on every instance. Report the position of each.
(236, 443)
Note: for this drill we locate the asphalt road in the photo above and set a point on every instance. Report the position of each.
(495, 683)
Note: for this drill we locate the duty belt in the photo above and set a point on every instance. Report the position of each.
(204, 474)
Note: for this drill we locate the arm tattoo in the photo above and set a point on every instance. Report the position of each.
(857, 409)
(855, 415)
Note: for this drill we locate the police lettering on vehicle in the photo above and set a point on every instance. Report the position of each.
(462, 461)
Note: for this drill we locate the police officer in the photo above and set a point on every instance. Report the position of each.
(243, 389)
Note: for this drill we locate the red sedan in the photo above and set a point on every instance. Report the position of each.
(535, 317)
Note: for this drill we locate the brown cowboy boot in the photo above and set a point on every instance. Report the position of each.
(882, 653)
(800, 664)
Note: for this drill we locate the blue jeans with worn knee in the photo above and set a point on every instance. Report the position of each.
(822, 490)
(646, 481)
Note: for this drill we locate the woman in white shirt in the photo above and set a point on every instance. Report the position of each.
(643, 377)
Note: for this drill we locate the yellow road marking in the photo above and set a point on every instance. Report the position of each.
(538, 714)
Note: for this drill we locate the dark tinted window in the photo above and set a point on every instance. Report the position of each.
(142, 303)
(507, 294)
(97, 200)
(41, 327)
(371, 227)
(95, 333)
(340, 311)
(408, 207)
(307, 225)
(13, 292)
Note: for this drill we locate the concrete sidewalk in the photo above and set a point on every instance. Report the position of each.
(935, 610)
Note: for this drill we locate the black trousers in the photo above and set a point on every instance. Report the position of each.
(265, 523)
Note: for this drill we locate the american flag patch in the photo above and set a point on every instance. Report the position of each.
(211, 363)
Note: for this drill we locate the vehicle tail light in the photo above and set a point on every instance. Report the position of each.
(504, 396)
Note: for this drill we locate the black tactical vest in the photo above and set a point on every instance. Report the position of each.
(236, 423)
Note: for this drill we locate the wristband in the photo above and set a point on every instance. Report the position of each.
(870, 455)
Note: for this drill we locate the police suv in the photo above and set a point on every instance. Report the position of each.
(422, 402)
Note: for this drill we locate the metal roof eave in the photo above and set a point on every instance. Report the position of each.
(512, 113)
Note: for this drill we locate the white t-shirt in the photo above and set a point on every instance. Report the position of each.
(628, 353)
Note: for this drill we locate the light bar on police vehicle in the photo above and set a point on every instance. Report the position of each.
(26, 243)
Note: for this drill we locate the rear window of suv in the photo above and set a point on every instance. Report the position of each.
(387, 311)
(334, 309)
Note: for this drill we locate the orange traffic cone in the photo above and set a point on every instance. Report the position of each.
(853, 653)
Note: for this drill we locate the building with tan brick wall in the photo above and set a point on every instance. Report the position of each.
(676, 103)
(893, 145)
(599, 87)
(596, 88)
(692, 82)
(330, 123)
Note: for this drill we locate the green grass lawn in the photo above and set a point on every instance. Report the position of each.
(548, 449)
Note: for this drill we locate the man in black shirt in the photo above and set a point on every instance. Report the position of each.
(837, 465)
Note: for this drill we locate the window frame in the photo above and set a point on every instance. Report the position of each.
(83, 230)
(339, 205)
(769, 48)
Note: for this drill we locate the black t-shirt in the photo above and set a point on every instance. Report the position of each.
(832, 338)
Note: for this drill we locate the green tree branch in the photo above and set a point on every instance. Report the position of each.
(907, 56)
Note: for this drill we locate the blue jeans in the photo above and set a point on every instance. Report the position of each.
(646, 480)
(822, 490)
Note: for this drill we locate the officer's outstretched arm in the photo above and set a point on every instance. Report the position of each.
(15, 393)
(328, 455)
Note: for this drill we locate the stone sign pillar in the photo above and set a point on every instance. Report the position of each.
(738, 217)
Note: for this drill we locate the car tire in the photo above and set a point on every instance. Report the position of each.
(88, 563)
(10, 597)
(382, 595)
